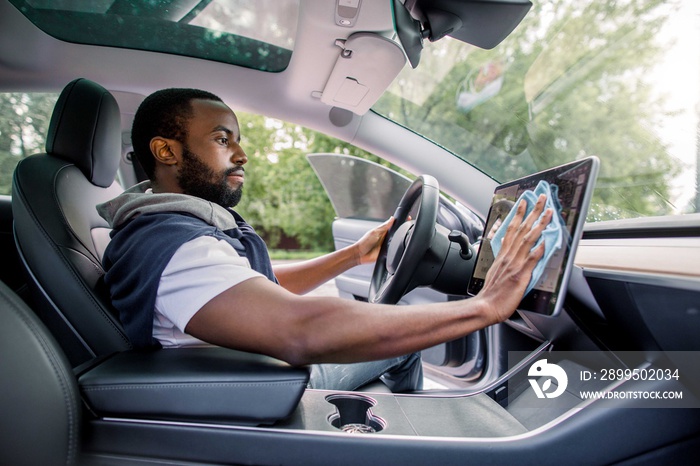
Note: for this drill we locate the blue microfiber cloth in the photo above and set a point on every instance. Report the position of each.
(552, 236)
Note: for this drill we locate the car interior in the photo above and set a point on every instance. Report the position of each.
(73, 390)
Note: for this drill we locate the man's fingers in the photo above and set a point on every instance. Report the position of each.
(515, 222)
(535, 213)
(533, 233)
(540, 226)
(536, 254)
(520, 229)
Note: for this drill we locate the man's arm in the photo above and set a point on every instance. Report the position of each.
(258, 316)
(302, 277)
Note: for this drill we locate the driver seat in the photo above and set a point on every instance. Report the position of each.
(59, 235)
(61, 238)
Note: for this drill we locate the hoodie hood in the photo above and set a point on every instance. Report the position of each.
(140, 199)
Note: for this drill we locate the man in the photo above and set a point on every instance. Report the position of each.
(183, 268)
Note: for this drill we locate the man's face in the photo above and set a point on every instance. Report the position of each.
(197, 179)
(211, 165)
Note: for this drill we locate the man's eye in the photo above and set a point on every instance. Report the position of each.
(223, 141)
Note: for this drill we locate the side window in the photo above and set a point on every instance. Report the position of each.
(24, 122)
(359, 188)
(362, 189)
(284, 196)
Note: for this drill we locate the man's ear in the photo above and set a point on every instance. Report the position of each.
(164, 151)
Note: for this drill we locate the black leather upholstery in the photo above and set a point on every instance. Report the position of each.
(82, 131)
(39, 398)
(58, 232)
(209, 384)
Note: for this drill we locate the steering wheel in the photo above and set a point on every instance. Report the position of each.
(406, 242)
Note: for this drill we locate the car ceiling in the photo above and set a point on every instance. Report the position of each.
(47, 63)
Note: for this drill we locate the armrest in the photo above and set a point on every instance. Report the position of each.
(210, 384)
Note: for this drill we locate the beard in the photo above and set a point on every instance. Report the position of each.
(196, 179)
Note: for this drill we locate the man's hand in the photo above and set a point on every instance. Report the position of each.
(510, 273)
(302, 277)
(368, 246)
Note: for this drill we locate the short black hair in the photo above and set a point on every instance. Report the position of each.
(164, 113)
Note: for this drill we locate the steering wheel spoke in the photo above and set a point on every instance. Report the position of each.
(386, 284)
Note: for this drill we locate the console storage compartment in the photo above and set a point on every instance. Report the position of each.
(212, 384)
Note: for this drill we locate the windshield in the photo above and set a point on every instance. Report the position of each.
(575, 78)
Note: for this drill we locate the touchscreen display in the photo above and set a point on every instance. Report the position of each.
(574, 186)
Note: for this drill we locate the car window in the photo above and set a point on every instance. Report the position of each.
(359, 188)
(24, 122)
(366, 190)
(256, 34)
(575, 78)
(283, 198)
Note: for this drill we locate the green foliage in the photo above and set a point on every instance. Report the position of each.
(573, 85)
(293, 254)
(283, 197)
(24, 122)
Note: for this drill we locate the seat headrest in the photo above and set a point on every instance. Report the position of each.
(85, 129)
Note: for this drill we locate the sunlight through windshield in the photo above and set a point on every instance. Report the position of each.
(575, 78)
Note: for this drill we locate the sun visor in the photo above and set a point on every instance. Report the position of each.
(367, 64)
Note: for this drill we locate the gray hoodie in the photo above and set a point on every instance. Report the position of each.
(140, 199)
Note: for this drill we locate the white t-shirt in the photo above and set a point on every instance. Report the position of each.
(198, 271)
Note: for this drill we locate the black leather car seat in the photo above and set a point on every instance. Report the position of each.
(39, 399)
(59, 235)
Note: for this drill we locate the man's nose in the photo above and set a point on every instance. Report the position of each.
(239, 157)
